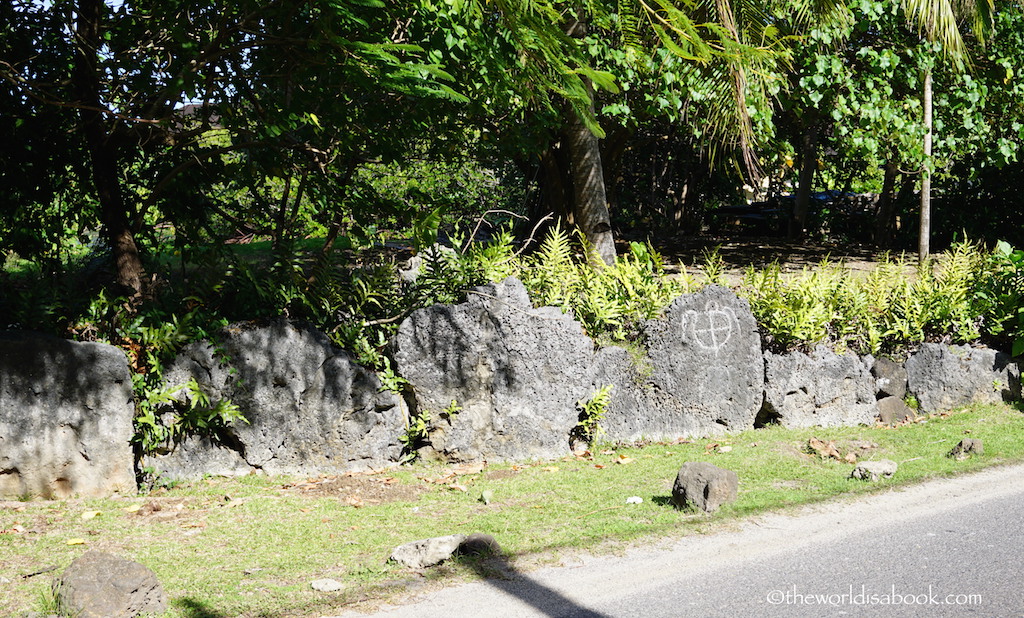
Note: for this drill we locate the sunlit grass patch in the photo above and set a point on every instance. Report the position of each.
(250, 546)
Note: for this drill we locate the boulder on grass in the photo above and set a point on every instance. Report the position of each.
(478, 544)
(427, 552)
(966, 448)
(102, 585)
(704, 486)
(893, 410)
(874, 470)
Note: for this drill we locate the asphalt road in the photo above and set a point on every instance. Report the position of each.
(952, 547)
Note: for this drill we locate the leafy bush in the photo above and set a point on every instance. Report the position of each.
(968, 295)
(612, 300)
(151, 338)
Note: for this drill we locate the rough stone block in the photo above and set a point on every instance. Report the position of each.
(890, 378)
(66, 411)
(515, 371)
(944, 377)
(310, 408)
(821, 389)
(703, 373)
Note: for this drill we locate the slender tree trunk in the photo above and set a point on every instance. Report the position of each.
(886, 207)
(808, 164)
(334, 227)
(103, 154)
(924, 234)
(282, 215)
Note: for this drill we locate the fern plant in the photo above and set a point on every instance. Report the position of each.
(592, 413)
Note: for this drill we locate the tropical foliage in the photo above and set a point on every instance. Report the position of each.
(169, 167)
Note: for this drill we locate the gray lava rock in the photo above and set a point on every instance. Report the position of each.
(944, 377)
(478, 544)
(66, 411)
(427, 552)
(892, 410)
(704, 486)
(640, 410)
(310, 408)
(197, 456)
(874, 470)
(890, 378)
(703, 373)
(822, 389)
(515, 371)
(966, 448)
(102, 585)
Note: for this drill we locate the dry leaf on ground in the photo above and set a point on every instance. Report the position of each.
(825, 449)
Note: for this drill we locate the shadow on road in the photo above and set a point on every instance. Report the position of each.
(498, 572)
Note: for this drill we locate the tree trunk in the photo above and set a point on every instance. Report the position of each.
(591, 204)
(924, 232)
(884, 227)
(556, 186)
(808, 164)
(103, 154)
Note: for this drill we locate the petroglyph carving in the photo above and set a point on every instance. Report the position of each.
(710, 329)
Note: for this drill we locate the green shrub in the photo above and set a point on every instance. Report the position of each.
(967, 295)
(609, 300)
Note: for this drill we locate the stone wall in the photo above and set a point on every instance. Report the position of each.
(310, 408)
(497, 378)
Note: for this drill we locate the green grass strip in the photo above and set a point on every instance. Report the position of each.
(251, 546)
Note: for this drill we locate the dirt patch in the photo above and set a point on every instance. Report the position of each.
(357, 488)
(739, 254)
(494, 475)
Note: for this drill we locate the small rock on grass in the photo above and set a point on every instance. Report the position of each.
(102, 585)
(427, 552)
(478, 544)
(874, 470)
(704, 486)
(326, 585)
(893, 410)
(966, 448)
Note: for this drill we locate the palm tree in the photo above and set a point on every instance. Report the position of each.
(939, 22)
(726, 41)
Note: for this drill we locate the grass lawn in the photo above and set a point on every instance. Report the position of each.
(251, 546)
